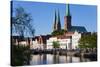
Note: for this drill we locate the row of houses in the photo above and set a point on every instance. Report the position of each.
(68, 41)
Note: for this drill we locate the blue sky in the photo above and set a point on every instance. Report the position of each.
(43, 15)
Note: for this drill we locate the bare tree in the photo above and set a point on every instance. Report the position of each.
(21, 23)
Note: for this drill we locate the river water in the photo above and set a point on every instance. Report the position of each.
(55, 59)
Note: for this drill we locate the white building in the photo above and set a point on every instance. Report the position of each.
(36, 45)
(75, 39)
(67, 41)
(63, 42)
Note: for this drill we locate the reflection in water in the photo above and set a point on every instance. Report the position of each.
(54, 59)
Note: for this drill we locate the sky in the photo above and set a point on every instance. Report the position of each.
(43, 15)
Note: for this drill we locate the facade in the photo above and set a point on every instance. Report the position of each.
(63, 42)
(67, 41)
(21, 41)
(75, 39)
(39, 42)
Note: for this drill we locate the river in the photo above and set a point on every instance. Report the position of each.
(55, 59)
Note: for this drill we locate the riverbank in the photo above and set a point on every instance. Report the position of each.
(20, 55)
(92, 56)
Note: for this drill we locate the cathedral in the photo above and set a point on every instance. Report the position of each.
(67, 23)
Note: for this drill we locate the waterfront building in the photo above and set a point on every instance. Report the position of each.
(67, 41)
(39, 42)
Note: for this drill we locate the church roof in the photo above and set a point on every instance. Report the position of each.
(77, 28)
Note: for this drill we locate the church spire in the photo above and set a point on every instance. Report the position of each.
(55, 16)
(58, 21)
(67, 10)
(58, 17)
(57, 24)
(67, 19)
(55, 20)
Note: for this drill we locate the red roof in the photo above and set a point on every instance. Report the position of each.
(63, 37)
(66, 35)
(69, 33)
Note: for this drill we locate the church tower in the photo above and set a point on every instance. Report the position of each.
(67, 19)
(54, 26)
(57, 24)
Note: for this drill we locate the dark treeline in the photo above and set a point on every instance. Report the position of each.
(20, 55)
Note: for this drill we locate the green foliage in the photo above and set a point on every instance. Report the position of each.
(56, 44)
(19, 54)
(88, 41)
(59, 32)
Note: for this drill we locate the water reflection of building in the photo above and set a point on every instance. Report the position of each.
(54, 59)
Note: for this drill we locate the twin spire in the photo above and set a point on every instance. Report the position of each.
(67, 23)
(57, 24)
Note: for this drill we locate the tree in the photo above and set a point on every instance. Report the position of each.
(93, 40)
(56, 44)
(21, 23)
(22, 26)
(20, 55)
(88, 41)
(59, 32)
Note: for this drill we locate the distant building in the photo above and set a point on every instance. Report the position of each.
(67, 41)
(67, 23)
(40, 41)
(20, 40)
